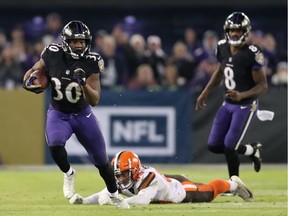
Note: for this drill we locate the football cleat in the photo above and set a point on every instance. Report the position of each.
(76, 199)
(68, 186)
(242, 190)
(120, 202)
(256, 157)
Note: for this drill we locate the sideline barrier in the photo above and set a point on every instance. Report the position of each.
(155, 125)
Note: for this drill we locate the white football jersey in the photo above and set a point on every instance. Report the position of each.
(151, 186)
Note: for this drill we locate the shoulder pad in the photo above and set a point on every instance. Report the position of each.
(52, 48)
(253, 48)
(257, 51)
(259, 58)
(93, 56)
(223, 41)
(94, 53)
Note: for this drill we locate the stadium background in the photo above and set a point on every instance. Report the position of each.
(22, 114)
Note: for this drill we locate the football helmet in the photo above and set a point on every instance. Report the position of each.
(126, 166)
(76, 30)
(237, 20)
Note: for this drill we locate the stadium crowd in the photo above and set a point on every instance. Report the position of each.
(131, 60)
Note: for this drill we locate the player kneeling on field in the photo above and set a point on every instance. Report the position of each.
(143, 185)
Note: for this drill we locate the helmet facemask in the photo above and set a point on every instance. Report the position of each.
(126, 166)
(124, 179)
(72, 31)
(237, 21)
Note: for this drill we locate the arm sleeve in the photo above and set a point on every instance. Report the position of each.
(145, 196)
(93, 199)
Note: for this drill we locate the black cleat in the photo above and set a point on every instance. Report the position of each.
(256, 157)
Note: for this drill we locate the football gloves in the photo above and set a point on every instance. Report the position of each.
(29, 86)
(104, 199)
(80, 76)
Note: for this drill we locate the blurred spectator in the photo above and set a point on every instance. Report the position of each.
(155, 56)
(125, 50)
(280, 78)
(3, 39)
(256, 37)
(11, 73)
(190, 39)
(114, 73)
(171, 78)
(19, 46)
(209, 45)
(270, 54)
(138, 44)
(53, 29)
(98, 41)
(144, 79)
(203, 74)
(210, 40)
(35, 28)
(184, 62)
(34, 54)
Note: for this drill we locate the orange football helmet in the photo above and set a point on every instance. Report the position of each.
(126, 166)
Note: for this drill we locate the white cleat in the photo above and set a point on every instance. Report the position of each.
(68, 186)
(242, 191)
(120, 202)
(76, 199)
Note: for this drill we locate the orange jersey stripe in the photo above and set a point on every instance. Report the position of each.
(146, 181)
(189, 186)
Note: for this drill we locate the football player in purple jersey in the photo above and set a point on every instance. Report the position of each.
(73, 73)
(241, 71)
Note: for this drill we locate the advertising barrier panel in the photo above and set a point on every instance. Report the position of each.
(155, 125)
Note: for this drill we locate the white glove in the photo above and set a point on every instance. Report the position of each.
(76, 199)
(104, 199)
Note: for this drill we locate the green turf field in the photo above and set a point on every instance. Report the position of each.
(37, 191)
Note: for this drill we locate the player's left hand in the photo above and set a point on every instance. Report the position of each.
(104, 199)
(80, 76)
(28, 85)
(234, 95)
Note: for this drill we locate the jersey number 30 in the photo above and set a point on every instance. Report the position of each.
(67, 91)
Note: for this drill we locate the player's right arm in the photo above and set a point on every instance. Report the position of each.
(214, 81)
(145, 196)
(40, 65)
(28, 79)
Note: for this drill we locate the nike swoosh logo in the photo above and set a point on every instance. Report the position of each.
(243, 107)
(88, 115)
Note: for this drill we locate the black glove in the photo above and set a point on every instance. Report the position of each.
(29, 86)
(80, 76)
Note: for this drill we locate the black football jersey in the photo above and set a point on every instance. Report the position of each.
(67, 95)
(237, 68)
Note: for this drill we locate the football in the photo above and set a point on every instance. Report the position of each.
(41, 79)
